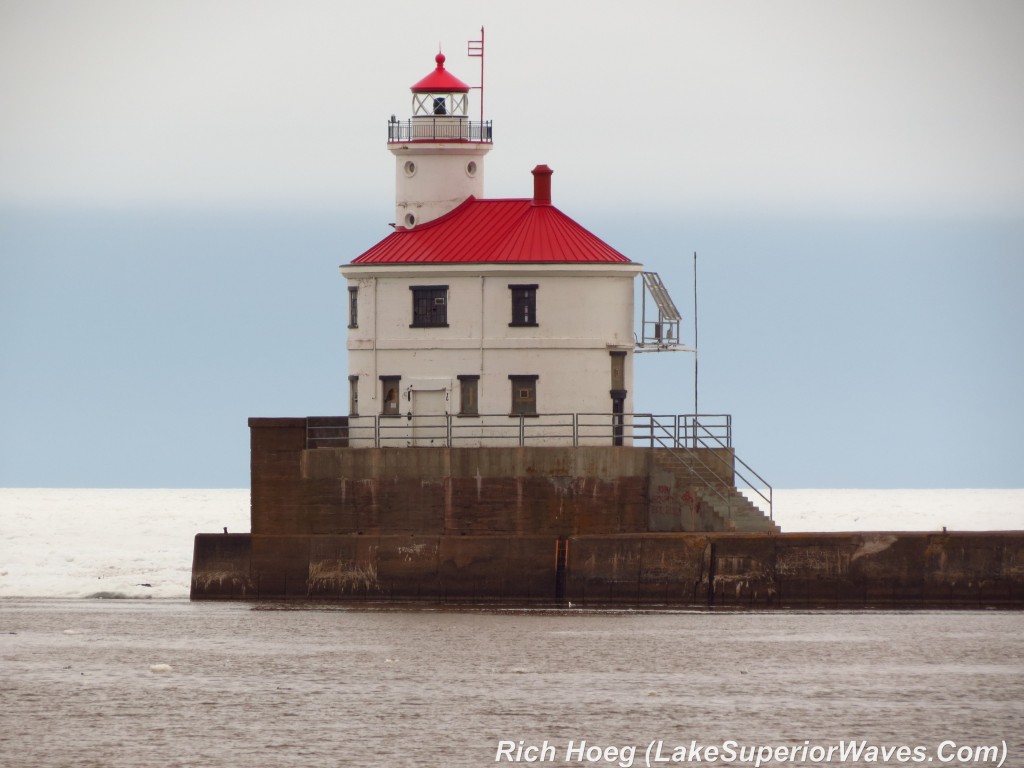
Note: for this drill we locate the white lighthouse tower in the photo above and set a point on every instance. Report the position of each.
(439, 152)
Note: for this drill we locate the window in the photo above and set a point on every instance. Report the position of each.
(618, 393)
(524, 395)
(390, 388)
(353, 395)
(468, 403)
(524, 305)
(429, 306)
(353, 307)
(618, 370)
(439, 108)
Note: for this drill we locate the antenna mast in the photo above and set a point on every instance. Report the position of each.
(695, 346)
(476, 50)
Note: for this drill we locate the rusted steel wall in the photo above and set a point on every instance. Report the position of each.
(587, 525)
(668, 569)
(353, 567)
(764, 570)
(470, 491)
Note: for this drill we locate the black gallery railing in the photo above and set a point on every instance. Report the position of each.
(440, 129)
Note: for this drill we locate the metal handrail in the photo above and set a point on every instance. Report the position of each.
(679, 434)
(447, 128)
(674, 448)
(638, 428)
(704, 442)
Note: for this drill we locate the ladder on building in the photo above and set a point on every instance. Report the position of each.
(659, 321)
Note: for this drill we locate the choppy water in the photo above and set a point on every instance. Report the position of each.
(169, 683)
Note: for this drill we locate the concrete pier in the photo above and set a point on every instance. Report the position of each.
(590, 525)
(855, 570)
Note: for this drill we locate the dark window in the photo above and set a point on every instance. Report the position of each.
(353, 307)
(618, 394)
(524, 395)
(524, 305)
(353, 395)
(618, 370)
(468, 403)
(439, 108)
(429, 306)
(618, 405)
(390, 389)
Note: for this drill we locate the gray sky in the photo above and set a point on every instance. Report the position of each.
(767, 106)
(179, 181)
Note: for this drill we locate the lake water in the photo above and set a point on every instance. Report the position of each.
(88, 681)
(168, 683)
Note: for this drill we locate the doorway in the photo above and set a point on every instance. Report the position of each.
(429, 414)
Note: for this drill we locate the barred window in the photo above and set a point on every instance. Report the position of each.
(524, 305)
(353, 307)
(429, 306)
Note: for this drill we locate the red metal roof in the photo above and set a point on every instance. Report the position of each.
(440, 81)
(494, 231)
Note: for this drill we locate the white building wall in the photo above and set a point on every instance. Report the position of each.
(433, 179)
(583, 312)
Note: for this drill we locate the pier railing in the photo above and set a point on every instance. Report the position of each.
(698, 436)
(679, 434)
(453, 430)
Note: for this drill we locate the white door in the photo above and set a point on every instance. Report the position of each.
(429, 417)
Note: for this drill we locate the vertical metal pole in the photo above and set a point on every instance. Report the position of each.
(695, 350)
(481, 82)
(643, 313)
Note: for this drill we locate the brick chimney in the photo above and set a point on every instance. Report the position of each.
(542, 185)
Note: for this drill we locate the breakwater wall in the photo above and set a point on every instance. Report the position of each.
(869, 570)
(587, 525)
(528, 490)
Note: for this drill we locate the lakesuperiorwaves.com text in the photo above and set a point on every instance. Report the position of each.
(729, 752)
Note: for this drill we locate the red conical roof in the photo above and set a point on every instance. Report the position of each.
(440, 80)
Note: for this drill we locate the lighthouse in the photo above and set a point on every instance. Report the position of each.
(439, 153)
(475, 310)
(490, 449)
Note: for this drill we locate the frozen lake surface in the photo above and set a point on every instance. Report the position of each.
(138, 543)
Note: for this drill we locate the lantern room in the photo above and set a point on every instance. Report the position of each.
(440, 93)
(439, 151)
